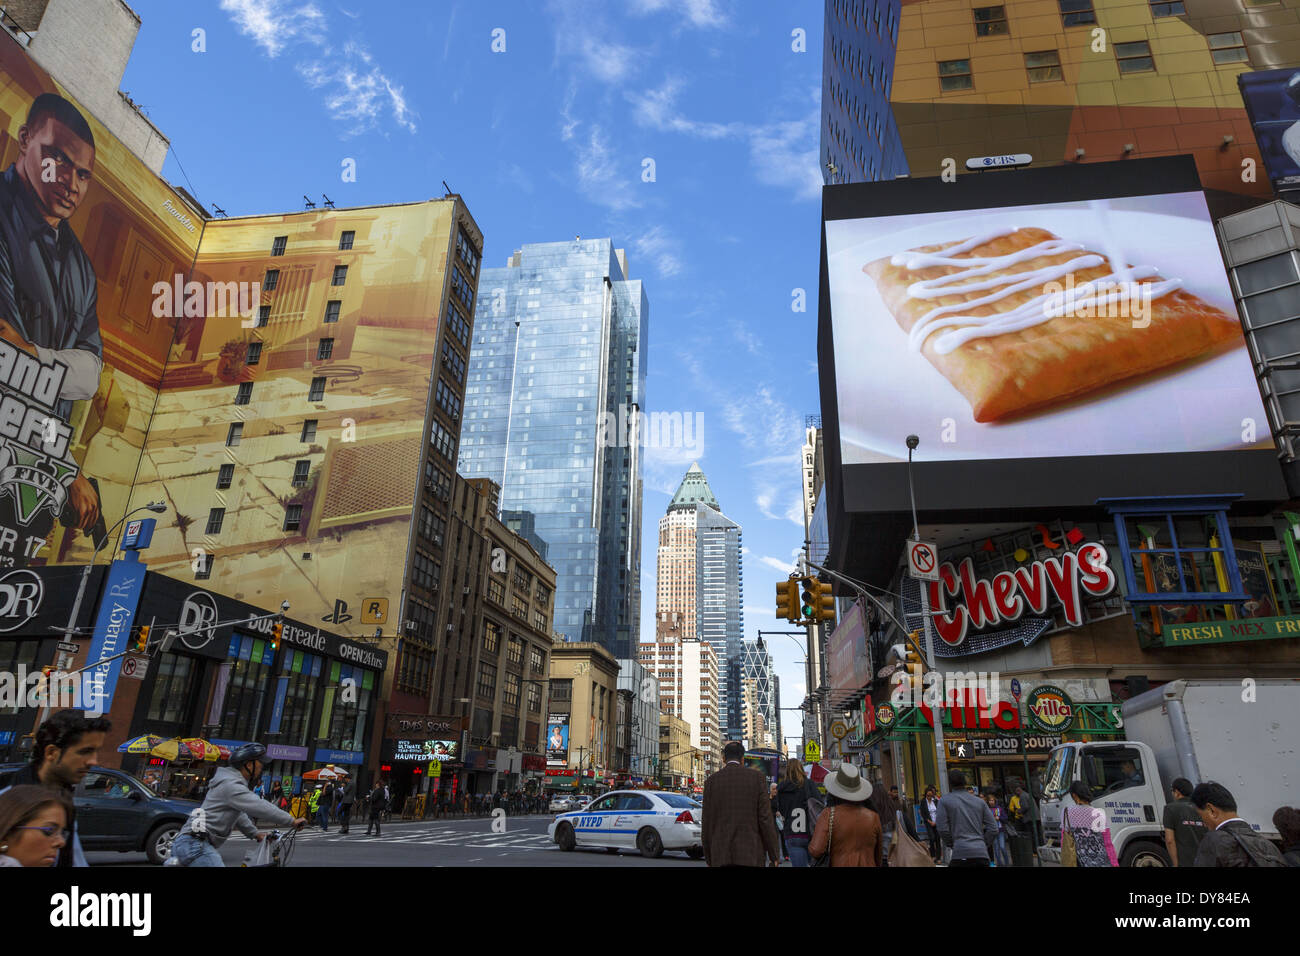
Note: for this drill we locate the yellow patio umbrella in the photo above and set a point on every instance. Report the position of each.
(143, 744)
(201, 749)
(174, 749)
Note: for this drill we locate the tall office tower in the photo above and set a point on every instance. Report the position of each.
(758, 683)
(907, 86)
(556, 377)
(700, 586)
(860, 141)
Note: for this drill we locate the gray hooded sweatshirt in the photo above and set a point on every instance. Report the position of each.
(229, 804)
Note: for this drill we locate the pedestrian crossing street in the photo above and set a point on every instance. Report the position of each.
(480, 837)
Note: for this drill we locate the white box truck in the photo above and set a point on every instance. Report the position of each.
(1244, 734)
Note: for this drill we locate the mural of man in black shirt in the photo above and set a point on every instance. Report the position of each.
(48, 291)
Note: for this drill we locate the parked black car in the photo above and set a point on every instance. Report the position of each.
(115, 811)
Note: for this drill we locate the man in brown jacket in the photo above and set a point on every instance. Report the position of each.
(738, 827)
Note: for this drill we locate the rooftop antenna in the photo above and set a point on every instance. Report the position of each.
(446, 187)
(329, 203)
(310, 204)
(218, 210)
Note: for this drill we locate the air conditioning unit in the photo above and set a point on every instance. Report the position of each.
(465, 591)
(450, 628)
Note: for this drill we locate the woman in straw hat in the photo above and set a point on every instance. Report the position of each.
(849, 831)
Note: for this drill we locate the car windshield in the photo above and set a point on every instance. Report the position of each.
(679, 801)
(1057, 776)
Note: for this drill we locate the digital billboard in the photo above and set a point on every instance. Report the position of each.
(1049, 334)
(86, 230)
(557, 740)
(1272, 100)
(850, 660)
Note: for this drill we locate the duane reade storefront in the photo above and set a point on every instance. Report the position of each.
(310, 700)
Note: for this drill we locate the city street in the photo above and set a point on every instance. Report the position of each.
(430, 843)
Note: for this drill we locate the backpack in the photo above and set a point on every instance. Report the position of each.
(1251, 857)
(816, 804)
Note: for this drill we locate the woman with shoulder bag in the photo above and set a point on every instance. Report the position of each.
(1085, 833)
(848, 833)
(797, 818)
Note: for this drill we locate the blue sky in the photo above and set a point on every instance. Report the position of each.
(545, 141)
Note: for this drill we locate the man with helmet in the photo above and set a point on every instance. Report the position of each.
(230, 803)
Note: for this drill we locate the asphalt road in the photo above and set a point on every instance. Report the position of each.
(449, 842)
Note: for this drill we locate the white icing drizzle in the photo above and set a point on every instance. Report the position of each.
(1119, 285)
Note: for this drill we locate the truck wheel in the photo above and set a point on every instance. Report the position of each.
(158, 844)
(1145, 853)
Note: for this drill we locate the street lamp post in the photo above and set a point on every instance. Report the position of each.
(941, 757)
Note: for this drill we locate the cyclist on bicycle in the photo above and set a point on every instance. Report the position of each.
(230, 803)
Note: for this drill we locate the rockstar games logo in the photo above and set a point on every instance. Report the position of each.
(35, 481)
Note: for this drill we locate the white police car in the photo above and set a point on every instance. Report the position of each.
(650, 821)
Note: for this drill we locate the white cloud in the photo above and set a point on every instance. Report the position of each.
(785, 567)
(274, 24)
(786, 154)
(356, 91)
(783, 153)
(584, 37)
(700, 13)
(657, 109)
(356, 95)
(660, 248)
(597, 176)
(745, 337)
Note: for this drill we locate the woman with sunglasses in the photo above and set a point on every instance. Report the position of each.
(33, 826)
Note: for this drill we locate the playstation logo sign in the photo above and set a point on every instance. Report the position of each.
(340, 613)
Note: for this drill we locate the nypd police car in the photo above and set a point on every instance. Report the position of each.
(650, 821)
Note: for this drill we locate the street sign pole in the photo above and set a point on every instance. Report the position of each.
(940, 755)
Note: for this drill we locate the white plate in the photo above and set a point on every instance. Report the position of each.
(888, 391)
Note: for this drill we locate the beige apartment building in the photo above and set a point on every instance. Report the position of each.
(584, 694)
(675, 751)
(687, 672)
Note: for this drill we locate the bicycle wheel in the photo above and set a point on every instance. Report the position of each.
(284, 847)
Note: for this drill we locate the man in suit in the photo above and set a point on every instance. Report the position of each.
(1230, 840)
(738, 827)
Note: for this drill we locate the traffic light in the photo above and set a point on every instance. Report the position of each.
(819, 604)
(787, 600)
(912, 661)
(277, 628)
(141, 639)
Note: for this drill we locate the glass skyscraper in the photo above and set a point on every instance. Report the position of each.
(701, 585)
(556, 375)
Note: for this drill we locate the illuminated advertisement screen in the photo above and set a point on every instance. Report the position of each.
(1273, 104)
(423, 751)
(557, 740)
(1016, 321)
